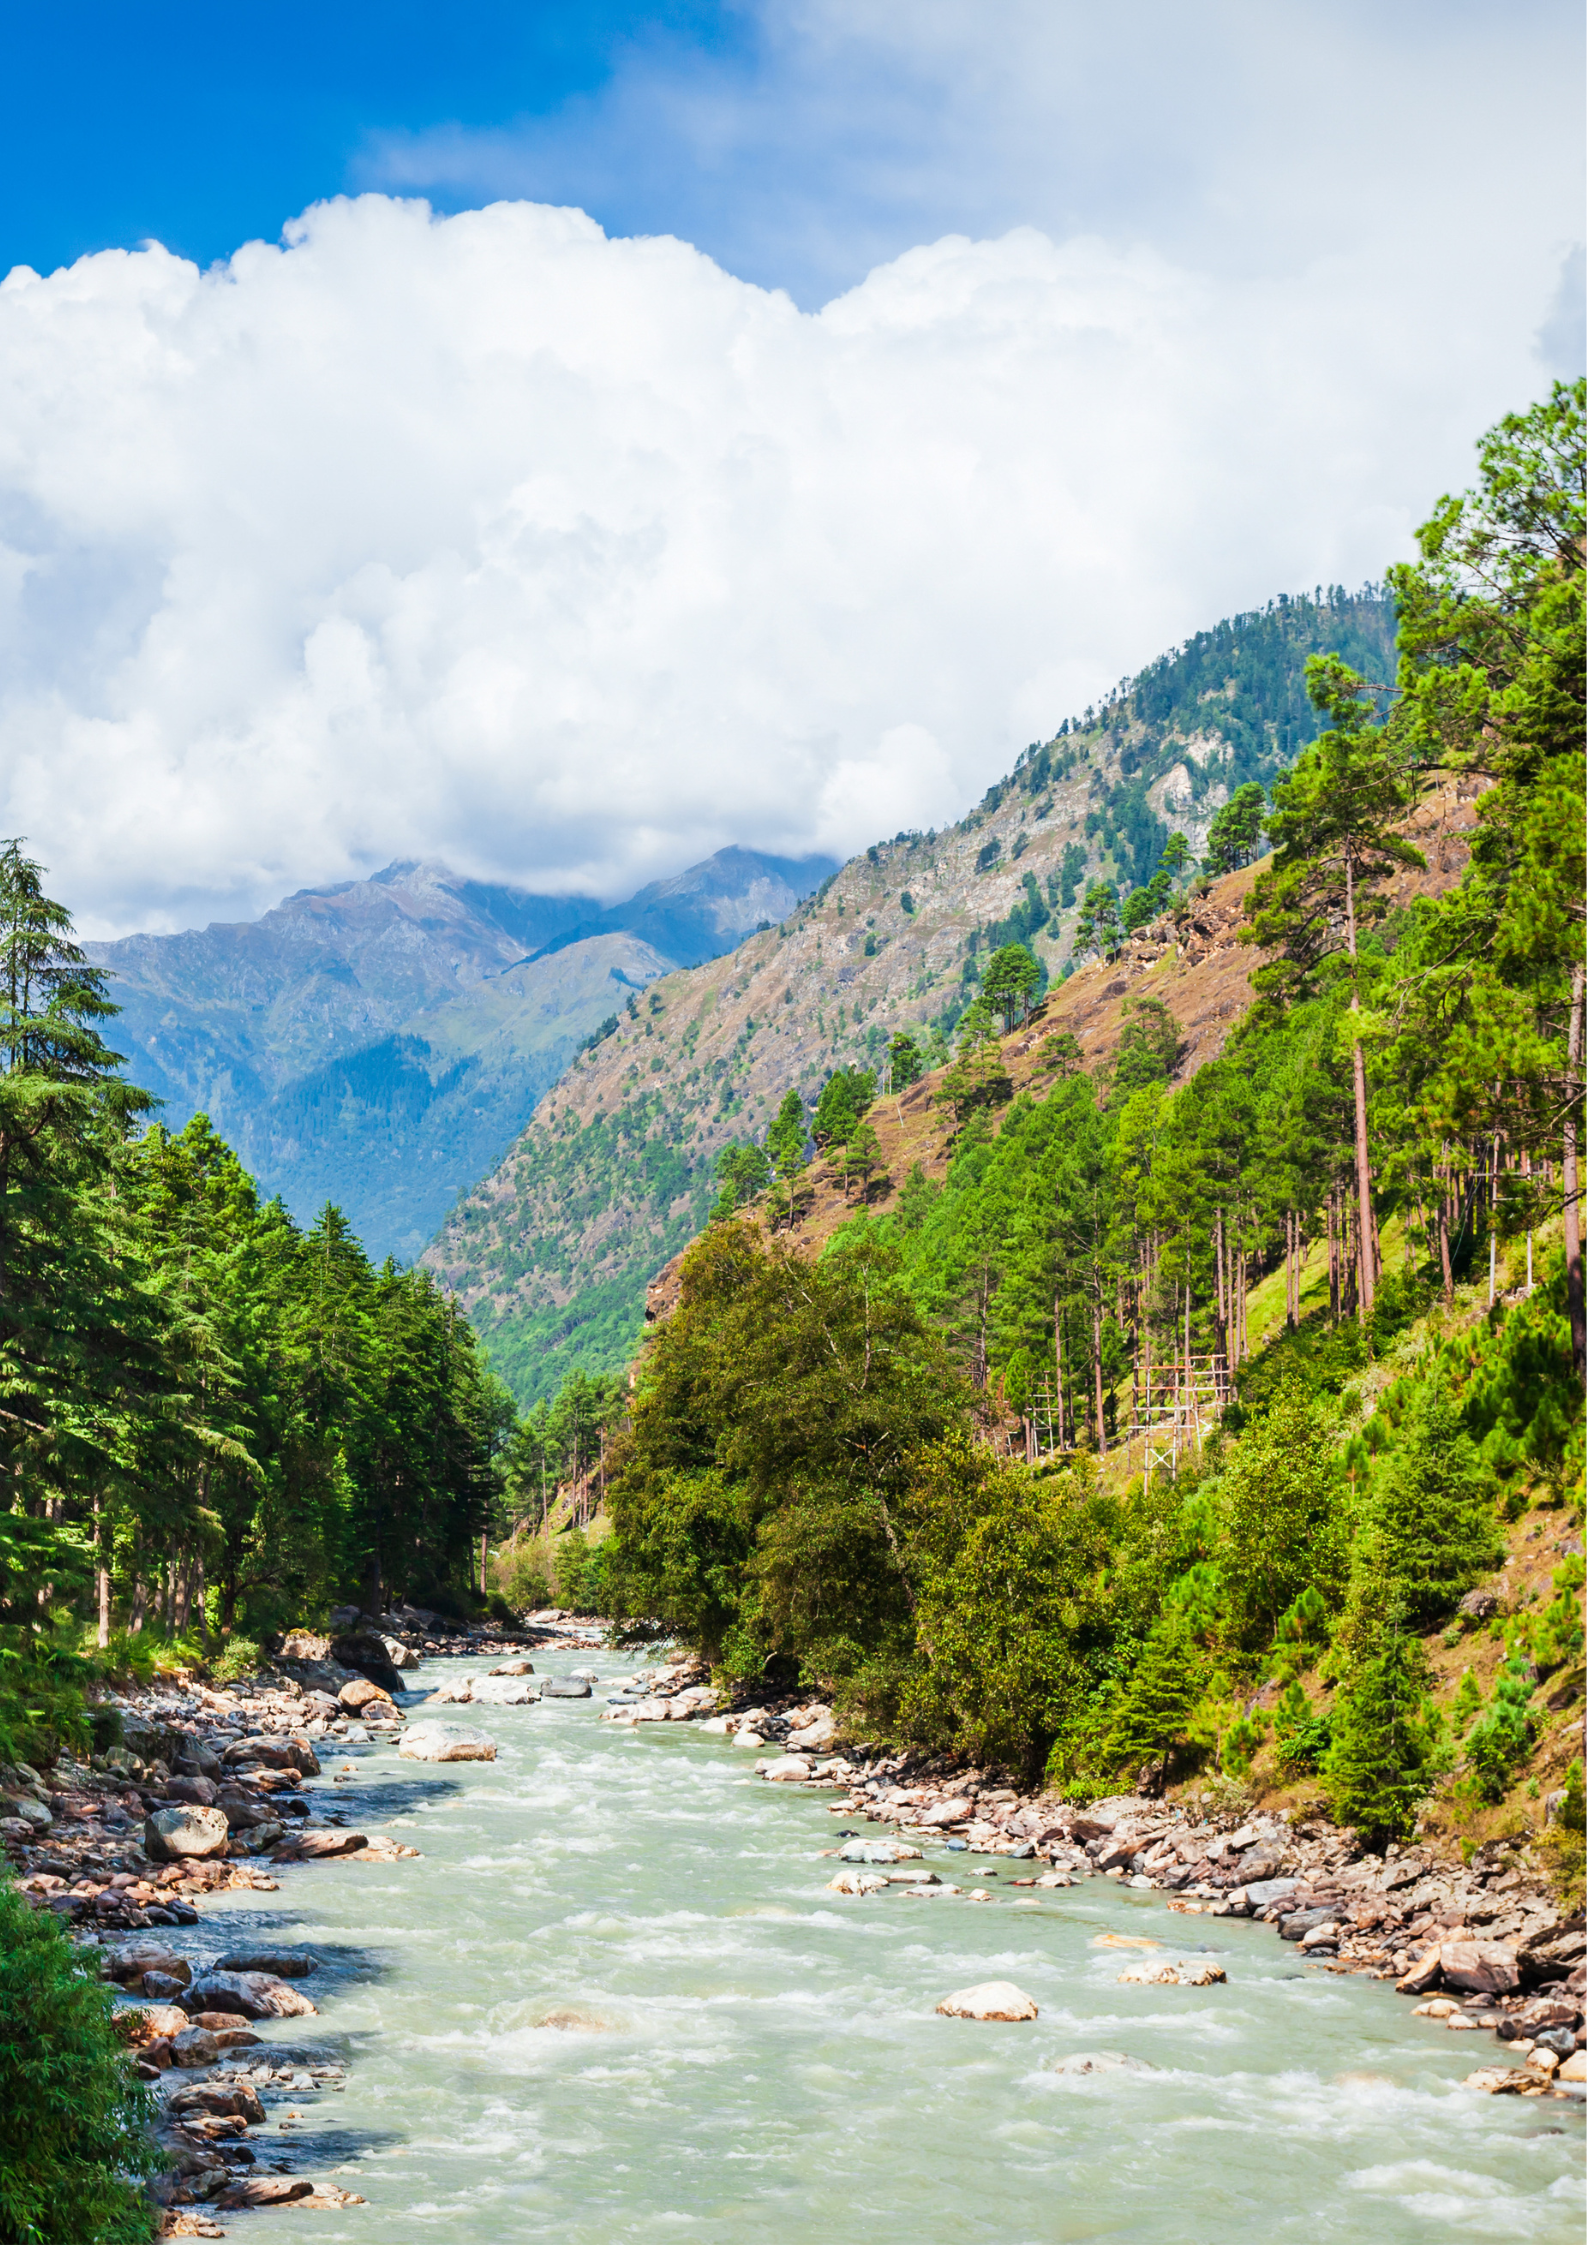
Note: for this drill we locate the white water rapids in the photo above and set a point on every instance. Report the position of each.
(761, 2061)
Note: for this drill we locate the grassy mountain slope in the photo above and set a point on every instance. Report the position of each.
(552, 1253)
(378, 1043)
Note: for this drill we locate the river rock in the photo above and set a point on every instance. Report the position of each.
(129, 1961)
(942, 1813)
(286, 1964)
(196, 1792)
(264, 2190)
(256, 1838)
(1082, 2062)
(859, 1882)
(515, 1668)
(1264, 1891)
(1554, 1952)
(1574, 2068)
(877, 1851)
(320, 1844)
(359, 1692)
(1485, 1968)
(173, 1833)
(989, 1999)
(445, 1742)
(787, 1769)
(1162, 1972)
(255, 1995)
(1500, 2081)
(504, 1691)
(303, 1644)
(194, 2046)
(365, 1651)
(566, 1687)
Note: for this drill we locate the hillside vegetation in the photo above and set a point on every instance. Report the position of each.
(1228, 1419)
(553, 1251)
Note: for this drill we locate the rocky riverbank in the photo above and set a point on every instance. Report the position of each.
(1482, 1945)
(205, 1789)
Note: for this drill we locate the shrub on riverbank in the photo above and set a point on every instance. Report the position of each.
(73, 2118)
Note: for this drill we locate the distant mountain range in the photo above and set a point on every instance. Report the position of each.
(380, 1043)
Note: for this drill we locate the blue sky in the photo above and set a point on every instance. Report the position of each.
(204, 126)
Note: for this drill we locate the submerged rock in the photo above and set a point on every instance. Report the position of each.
(1101, 2062)
(566, 1687)
(989, 1999)
(1165, 1972)
(504, 1691)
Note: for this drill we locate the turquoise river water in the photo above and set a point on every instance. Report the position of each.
(760, 2062)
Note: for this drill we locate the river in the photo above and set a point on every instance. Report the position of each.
(760, 2061)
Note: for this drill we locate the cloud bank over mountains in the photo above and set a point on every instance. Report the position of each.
(570, 559)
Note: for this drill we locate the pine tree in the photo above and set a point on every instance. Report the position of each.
(1010, 981)
(1430, 1530)
(1385, 1753)
(1155, 1714)
(1097, 928)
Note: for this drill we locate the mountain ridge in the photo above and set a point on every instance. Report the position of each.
(551, 1253)
(379, 1042)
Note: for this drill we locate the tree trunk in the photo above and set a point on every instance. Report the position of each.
(1096, 1343)
(1575, 1303)
(101, 1575)
(484, 1554)
(140, 1603)
(1333, 1253)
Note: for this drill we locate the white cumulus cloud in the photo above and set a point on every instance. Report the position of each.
(569, 559)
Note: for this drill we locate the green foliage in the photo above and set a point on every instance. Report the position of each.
(845, 1096)
(906, 1063)
(73, 2118)
(1301, 1738)
(1010, 982)
(1386, 1752)
(243, 1656)
(1098, 928)
(1466, 1702)
(1504, 1735)
(1155, 1714)
(1282, 1531)
(1429, 1530)
(743, 1172)
(1235, 835)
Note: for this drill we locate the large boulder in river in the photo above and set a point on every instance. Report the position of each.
(359, 1693)
(363, 1650)
(566, 1687)
(255, 1995)
(989, 1999)
(1553, 1953)
(446, 1742)
(172, 1833)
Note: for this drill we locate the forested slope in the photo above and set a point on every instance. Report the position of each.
(1188, 1422)
(552, 1253)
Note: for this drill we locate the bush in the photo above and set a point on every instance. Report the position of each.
(243, 1657)
(73, 2118)
(1504, 1736)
